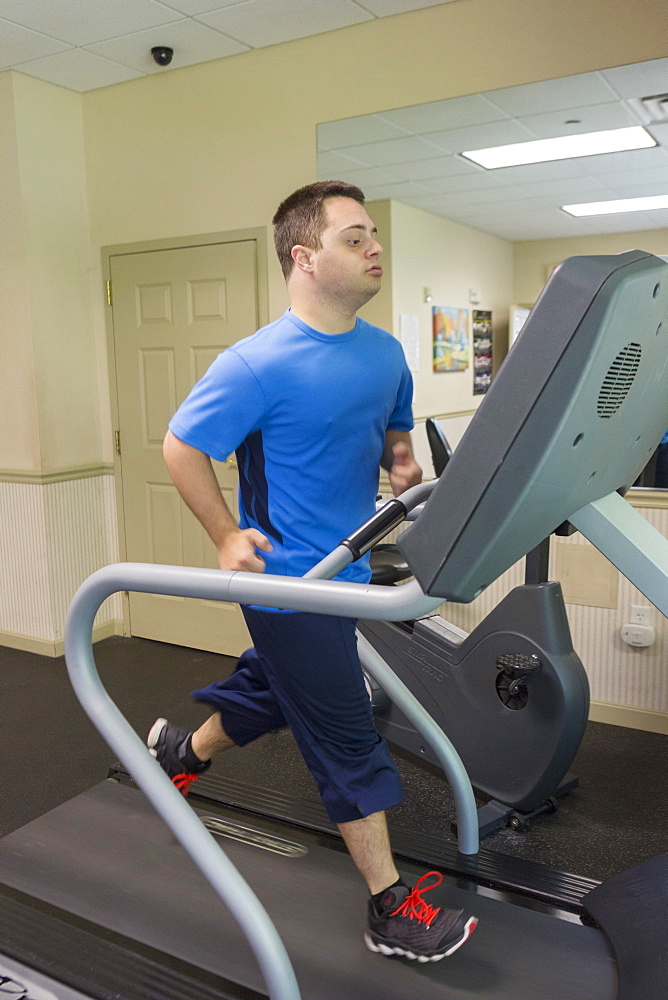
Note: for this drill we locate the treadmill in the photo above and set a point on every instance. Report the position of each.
(119, 894)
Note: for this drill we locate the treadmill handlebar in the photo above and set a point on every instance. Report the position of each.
(389, 516)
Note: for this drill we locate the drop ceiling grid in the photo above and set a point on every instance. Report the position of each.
(524, 200)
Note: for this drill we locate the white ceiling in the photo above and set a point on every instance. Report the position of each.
(411, 154)
(85, 44)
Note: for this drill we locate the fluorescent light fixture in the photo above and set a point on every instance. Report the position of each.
(620, 205)
(564, 147)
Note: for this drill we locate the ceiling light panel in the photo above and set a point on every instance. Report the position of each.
(648, 204)
(562, 148)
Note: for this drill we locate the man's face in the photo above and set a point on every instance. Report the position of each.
(347, 265)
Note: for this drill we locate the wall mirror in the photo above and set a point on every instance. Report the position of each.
(414, 155)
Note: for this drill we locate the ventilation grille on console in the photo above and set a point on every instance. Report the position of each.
(618, 381)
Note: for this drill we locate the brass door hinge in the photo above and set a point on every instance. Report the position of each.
(110, 299)
(117, 436)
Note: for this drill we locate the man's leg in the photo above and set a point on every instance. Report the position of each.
(368, 844)
(248, 707)
(211, 739)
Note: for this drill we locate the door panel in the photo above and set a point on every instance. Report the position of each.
(174, 311)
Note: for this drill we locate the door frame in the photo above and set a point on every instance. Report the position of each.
(259, 236)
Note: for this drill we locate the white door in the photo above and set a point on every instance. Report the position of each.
(173, 312)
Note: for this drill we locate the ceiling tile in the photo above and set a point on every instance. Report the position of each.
(382, 8)
(535, 172)
(660, 133)
(331, 165)
(372, 175)
(629, 191)
(21, 44)
(657, 176)
(482, 180)
(501, 133)
(265, 22)
(594, 118)
(75, 21)
(193, 7)
(552, 95)
(77, 69)
(628, 222)
(354, 131)
(640, 80)
(492, 198)
(440, 166)
(631, 159)
(570, 189)
(192, 43)
(393, 151)
(399, 190)
(435, 116)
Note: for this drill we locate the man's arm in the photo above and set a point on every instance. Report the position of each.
(398, 460)
(192, 473)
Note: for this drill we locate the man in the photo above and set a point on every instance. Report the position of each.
(312, 404)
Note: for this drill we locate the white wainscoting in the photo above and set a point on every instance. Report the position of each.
(52, 536)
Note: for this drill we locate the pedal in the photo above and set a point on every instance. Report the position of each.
(515, 669)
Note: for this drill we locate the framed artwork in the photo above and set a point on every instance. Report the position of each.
(450, 339)
(482, 351)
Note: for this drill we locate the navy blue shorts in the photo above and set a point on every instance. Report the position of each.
(304, 672)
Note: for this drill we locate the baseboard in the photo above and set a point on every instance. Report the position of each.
(631, 718)
(56, 647)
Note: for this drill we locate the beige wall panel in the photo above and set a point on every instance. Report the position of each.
(53, 198)
(533, 260)
(19, 441)
(449, 259)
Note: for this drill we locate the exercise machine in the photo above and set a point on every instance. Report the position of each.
(512, 696)
(103, 899)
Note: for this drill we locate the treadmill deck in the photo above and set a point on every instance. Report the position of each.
(107, 857)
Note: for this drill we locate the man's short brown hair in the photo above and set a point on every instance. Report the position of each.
(300, 219)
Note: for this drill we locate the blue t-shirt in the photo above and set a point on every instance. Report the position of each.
(306, 413)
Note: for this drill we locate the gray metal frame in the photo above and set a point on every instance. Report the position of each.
(320, 596)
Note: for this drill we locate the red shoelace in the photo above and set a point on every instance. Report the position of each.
(414, 905)
(184, 781)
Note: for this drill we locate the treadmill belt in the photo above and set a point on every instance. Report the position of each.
(107, 857)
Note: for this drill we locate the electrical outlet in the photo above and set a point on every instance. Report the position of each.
(641, 614)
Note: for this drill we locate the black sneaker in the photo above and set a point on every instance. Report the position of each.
(169, 744)
(403, 924)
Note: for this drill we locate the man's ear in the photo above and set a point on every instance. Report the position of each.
(303, 257)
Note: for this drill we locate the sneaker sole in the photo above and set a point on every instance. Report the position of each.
(386, 949)
(154, 735)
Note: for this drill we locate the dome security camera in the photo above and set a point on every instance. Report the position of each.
(162, 54)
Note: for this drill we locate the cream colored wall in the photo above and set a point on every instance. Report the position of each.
(19, 442)
(450, 259)
(48, 349)
(533, 259)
